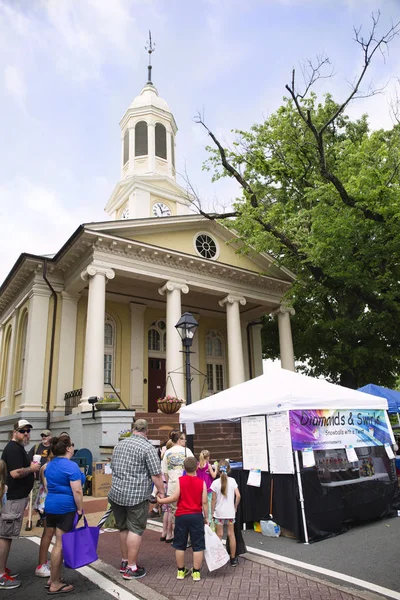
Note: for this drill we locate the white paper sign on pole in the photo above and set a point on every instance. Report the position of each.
(389, 451)
(280, 443)
(351, 454)
(254, 443)
(308, 458)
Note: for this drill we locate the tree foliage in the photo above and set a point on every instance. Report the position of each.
(321, 192)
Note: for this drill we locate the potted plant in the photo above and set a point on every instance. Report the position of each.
(109, 402)
(170, 404)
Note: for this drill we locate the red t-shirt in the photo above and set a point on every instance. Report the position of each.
(191, 496)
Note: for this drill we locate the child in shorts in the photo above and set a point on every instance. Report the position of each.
(224, 503)
(190, 518)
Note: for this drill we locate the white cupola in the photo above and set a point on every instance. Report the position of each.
(148, 183)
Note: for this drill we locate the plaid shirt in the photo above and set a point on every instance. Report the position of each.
(133, 463)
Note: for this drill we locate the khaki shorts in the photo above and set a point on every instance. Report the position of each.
(131, 518)
(12, 514)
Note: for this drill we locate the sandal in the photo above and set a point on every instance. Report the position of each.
(169, 541)
(62, 589)
(163, 538)
(47, 586)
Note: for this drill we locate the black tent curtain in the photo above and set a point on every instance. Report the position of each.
(329, 511)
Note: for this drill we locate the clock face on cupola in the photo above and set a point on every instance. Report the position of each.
(161, 210)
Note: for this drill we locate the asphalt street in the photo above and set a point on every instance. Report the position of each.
(23, 559)
(369, 552)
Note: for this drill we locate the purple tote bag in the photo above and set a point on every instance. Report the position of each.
(80, 545)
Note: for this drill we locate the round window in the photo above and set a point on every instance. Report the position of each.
(206, 246)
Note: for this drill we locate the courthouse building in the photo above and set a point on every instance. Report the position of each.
(98, 317)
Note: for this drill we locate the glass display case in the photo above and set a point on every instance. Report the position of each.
(334, 468)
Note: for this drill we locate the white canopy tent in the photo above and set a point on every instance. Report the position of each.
(278, 391)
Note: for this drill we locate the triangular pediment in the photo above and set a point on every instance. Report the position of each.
(180, 233)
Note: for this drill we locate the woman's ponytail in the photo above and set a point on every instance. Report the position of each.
(223, 470)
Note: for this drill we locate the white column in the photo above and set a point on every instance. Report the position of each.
(137, 355)
(245, 346)
(36, 343)
(285, 336)
(66, 355)
(169, 154)
(131, 151)
(235, 346)
(93, 366)
(174, 362)
(256, 347)
(151, 132)
(9, 368)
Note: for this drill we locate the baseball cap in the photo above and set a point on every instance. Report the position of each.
(46, 432)
(21, 424)
(140, 425)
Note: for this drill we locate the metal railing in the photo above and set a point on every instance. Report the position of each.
(72, 400)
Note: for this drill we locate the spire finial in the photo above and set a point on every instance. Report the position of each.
(150, 47)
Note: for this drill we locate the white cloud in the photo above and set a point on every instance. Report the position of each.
(14, 84)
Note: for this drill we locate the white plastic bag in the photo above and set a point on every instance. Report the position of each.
(270, 528)
(215, 554)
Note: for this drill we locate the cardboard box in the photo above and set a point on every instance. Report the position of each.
(101, 482)
(101, 485)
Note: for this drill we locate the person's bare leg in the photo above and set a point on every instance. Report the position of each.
(170, 532)
(219, 531)
(5, 546)
(232, 540)
(180, 558)
(123, 536)
(197, 560)
(164, 525)
(45, 542)
(56, 562)
(133, 542)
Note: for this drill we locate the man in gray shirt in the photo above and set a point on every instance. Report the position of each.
(135, 467)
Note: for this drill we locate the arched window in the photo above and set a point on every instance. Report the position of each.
(161, 141)
(109, 350)
(126, 146)
(141, 142)
(157, 337)
(5, 361)
(215, 362)
(22, 349)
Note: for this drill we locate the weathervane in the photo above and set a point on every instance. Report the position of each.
(150, 47)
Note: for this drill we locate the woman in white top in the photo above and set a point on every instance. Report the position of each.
(224, 503)
(172, 465)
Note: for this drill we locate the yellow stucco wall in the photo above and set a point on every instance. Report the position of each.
(182, 241)
(121, 315)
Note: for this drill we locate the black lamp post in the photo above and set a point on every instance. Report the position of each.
(187, 327)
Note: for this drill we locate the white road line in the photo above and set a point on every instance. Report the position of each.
(104, 584)
(334, 574)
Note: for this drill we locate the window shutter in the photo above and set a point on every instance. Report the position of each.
(141, 143)
(161, 141)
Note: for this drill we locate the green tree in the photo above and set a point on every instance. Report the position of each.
(322, 193)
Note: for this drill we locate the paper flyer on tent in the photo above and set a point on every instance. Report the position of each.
(308, 457)
(330, 429)
(254, 443)
(279, 443)
(254, 478)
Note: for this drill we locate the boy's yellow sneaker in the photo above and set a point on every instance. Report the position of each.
(196, 575)
(182, 573)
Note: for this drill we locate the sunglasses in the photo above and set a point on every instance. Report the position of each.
(43, 435)
(24, 430)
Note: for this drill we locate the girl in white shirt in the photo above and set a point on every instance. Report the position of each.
(224, 503)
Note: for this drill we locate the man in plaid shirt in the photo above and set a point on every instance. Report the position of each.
(135, 467)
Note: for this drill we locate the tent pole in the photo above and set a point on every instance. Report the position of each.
(299, 483)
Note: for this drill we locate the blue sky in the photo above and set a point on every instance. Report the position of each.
(70, 68)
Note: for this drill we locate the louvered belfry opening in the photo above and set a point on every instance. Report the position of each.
(126, 146)
(161, 141)
(141, 142)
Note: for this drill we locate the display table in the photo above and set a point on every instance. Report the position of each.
(354, 481)
(330, 509)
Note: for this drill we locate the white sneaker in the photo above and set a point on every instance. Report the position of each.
(42, 571)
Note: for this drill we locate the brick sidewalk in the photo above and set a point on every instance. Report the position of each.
(250, 579)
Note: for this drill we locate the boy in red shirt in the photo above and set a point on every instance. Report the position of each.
(190, 517)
